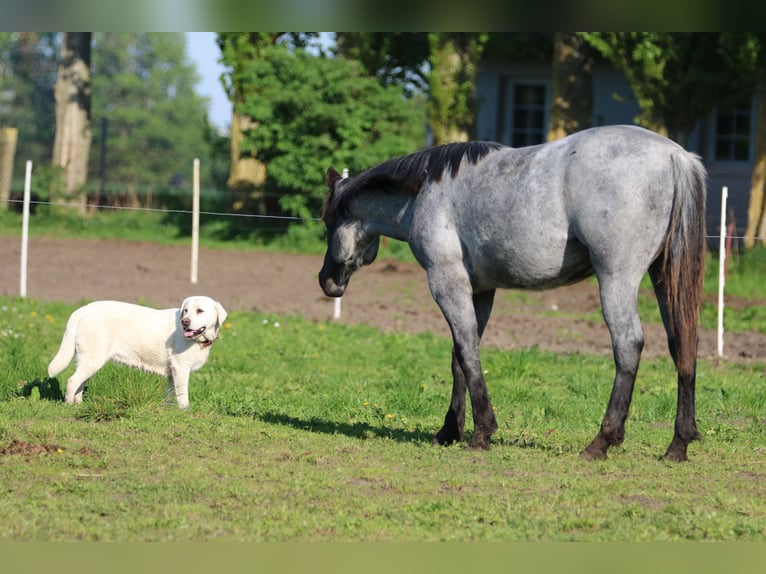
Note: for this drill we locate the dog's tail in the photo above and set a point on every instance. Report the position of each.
(67, 348)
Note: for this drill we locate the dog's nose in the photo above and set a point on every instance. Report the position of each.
(185, 321)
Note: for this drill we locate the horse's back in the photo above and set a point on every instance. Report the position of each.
(552, 214)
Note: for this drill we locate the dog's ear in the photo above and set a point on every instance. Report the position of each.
(222, 314)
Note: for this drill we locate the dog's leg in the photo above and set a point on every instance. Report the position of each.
(179, 378)
(75, 385)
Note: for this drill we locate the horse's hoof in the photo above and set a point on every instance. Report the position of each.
(446, 438)
(478, 443)
(593, 455)
(675, 456)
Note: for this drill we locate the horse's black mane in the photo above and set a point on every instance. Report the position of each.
(408, 173)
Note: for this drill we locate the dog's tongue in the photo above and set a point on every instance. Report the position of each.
(190, 333)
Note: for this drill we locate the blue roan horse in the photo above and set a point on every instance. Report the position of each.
(616, 201)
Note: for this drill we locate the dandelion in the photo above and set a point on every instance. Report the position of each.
(227, 325)
(366, 403)
(33, 314)
(50, 319)
(276, 323)
(389, 416)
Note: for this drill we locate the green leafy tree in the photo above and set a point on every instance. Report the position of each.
(28, 65)
(310, 112)
(443, 65)
(247, 172)
(678, 78)
(155, 124)
(452, 105)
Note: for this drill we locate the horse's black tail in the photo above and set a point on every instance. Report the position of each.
(683, 261)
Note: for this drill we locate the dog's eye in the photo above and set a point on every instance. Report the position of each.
(199, 311)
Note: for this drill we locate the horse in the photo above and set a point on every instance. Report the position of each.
(614, 201)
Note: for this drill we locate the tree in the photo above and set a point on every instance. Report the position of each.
(442, 64)
(756, 212)
(144, 90)
(28, 66)
(677, 78)
(572, 97)
(73, 97)
(247, 172)
(452, 105)
(309, 112)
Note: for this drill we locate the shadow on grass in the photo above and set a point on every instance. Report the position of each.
(353, 430)
(45, 389)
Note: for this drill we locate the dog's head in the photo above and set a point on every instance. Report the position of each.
(201, 318)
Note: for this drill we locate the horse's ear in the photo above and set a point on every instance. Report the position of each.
(331, 177)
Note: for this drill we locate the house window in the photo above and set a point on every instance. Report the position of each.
(732, 133)
(522, 114)
(529, 115)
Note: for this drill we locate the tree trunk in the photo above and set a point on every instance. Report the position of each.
(246, 172)
(756, 212)
(452, 84)
(8, 138)
(73, 133)
(572, 97)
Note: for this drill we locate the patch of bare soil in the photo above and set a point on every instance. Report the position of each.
(388, 295)
(29, 449)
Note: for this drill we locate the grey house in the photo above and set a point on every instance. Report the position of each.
(515, 99)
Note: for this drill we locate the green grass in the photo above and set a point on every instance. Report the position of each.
(306, 431)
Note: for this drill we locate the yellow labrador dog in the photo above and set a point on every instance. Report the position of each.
(170, 342)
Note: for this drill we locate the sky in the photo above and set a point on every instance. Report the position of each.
(204, 52)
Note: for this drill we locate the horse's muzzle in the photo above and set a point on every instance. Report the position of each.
(330, 287)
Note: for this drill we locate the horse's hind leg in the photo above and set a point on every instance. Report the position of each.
(619, 304)
(686, 425)
(454, 420)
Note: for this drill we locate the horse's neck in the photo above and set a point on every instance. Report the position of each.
(388, 214)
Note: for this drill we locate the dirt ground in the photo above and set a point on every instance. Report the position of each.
(388, 295)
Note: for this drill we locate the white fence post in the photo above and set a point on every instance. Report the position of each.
(195, 223)
(721, 268)
(25, 231)
(336, 302)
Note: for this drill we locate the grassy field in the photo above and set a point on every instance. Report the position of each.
(302, 431)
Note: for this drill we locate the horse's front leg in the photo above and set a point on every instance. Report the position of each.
(467, 329)
(454, 420)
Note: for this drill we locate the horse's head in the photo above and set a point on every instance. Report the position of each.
(350, 244)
